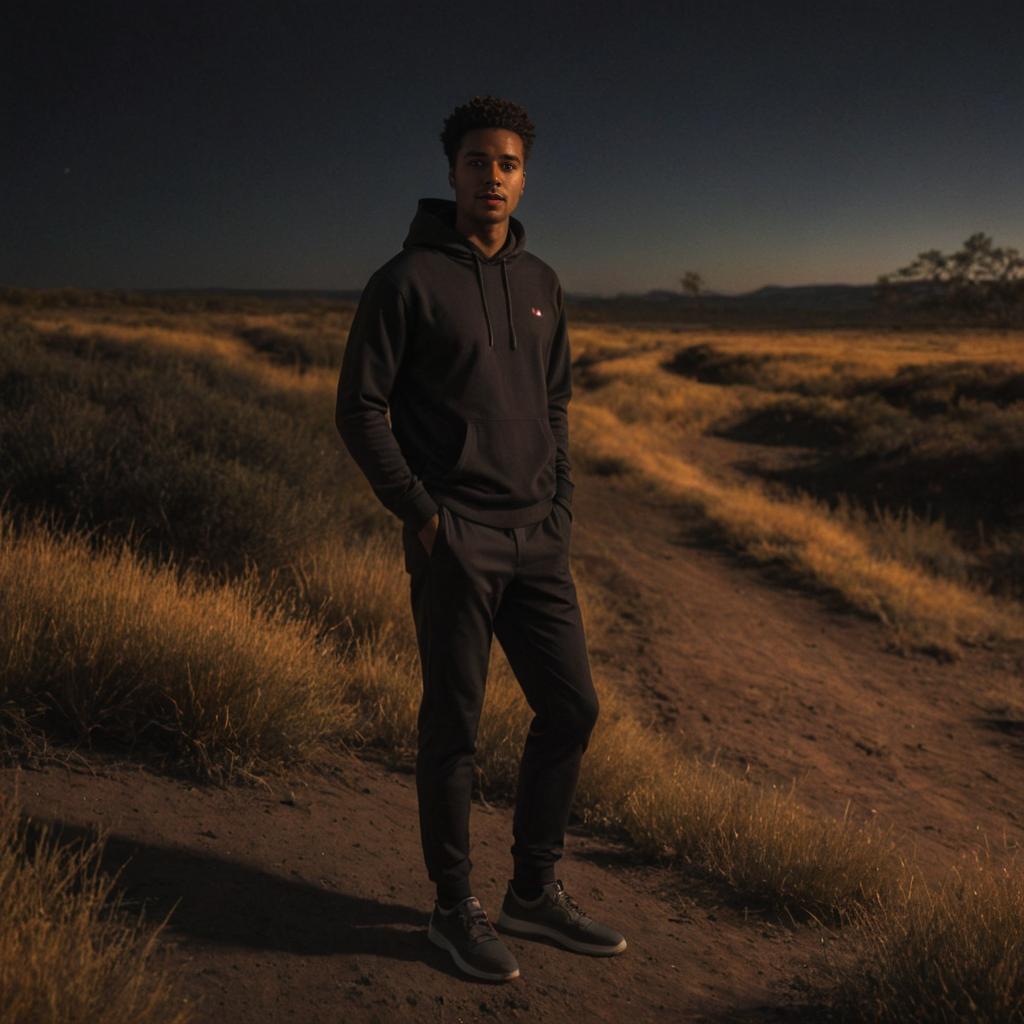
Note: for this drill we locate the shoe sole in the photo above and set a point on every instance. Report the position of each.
(442, 943)
(517, 927)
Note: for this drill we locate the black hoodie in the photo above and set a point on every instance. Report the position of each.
(470, 354)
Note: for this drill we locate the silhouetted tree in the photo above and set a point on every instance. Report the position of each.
(980, 279)
(692, 283)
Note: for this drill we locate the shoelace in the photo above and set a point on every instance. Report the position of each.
(562, 898)
(474, 920)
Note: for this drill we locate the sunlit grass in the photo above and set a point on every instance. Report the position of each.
(101, 644)
(946, 951)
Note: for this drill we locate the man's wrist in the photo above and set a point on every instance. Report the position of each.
(421, 512)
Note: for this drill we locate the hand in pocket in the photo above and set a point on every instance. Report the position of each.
(428, 532)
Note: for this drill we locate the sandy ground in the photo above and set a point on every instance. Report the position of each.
(306, 900)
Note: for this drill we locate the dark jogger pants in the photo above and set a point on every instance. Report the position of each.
(476, 582)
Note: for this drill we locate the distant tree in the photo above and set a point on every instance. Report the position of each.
(980, 279)
(692, 283)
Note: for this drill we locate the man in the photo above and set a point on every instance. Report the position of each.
(463, 338)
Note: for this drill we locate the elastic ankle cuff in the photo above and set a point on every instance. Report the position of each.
(531, 877)
(519, 889)
(448, 899)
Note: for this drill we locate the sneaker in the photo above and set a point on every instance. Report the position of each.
(472, 941)
(556, 915)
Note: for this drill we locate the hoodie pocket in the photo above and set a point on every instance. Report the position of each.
(508, 458)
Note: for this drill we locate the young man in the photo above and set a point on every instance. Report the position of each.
(463, 338)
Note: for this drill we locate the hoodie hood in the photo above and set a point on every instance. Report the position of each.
(433, 227)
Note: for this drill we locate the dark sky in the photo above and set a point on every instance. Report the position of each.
(285, 145)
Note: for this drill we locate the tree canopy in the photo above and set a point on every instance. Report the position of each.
(980, 279)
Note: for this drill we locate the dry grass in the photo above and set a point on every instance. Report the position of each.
(762, 843)
(101, 644)
(828, 355)
(637, 389)
(67, 951)
(946, 952)
(237, 464)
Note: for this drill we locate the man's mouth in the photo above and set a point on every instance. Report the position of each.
(493, 197)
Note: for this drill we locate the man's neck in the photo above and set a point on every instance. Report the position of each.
(488, 238)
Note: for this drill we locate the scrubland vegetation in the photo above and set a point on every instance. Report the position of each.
(193, 569)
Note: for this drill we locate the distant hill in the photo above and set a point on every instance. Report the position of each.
(823, 297)
(773, 305)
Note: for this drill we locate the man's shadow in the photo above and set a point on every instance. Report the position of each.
(222, 902)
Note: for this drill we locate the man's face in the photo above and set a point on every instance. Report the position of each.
(489, 161)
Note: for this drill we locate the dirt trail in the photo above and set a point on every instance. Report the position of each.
(307, 901)
(737, 662)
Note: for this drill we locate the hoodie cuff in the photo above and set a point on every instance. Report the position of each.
(423, 508)
(563, 494)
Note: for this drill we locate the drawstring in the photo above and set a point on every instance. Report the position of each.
(508, 302)
(483, 296)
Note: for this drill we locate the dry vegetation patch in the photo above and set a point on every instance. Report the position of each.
(946, 951)
(102, 645)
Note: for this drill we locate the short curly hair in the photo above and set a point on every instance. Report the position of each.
(486, 112)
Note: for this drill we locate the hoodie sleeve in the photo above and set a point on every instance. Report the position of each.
(559, 394)
(373, 354)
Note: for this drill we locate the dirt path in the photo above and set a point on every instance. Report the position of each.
(738, 663)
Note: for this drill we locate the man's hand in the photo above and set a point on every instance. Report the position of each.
(428, 532)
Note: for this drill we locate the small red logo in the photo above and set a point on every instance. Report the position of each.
(535, 311)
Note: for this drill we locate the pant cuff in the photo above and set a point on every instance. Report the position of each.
(449, 893)
(529, 874)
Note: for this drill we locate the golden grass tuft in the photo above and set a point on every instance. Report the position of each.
(102, 643)
(67, 952)
(947, 951)
(762, 843)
